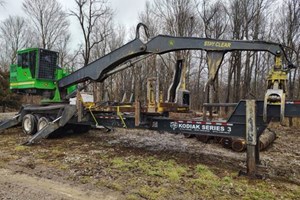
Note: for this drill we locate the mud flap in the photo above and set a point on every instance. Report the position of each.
(9, 123)
(68, 112)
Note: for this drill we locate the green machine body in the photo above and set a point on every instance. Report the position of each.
(37, 72)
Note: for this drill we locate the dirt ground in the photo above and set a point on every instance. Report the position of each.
(142, 164)
(17, 185)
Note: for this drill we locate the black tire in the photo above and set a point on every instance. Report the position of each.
(43, 121)
(29, 124)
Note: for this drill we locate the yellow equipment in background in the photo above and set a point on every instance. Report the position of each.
(277, 88)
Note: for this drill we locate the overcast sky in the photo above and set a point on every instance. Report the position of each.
(126, 13)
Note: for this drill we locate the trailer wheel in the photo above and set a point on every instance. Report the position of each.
(43, 121)
(29, 123)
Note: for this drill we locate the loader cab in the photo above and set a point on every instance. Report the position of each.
(36, 72)
(40, 62)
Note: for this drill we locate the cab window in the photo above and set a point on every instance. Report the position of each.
(28, 60)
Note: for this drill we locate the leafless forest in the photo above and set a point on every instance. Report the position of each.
(242, 75)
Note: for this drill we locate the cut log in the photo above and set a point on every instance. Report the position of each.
(266, 139)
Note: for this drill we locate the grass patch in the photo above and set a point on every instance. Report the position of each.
(132, 197)
(209, 186)
(167, 169)
(227, 179)
(63, 167)
(142, 176)
(205, 173)
(114, 185)
(152, 193)
(150, 167)
(175, 173)
(85, 179)
(42, 155)
(121, 164)
(152, 178)
(21, 148)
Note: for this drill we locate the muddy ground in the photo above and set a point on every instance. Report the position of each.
(142, 164)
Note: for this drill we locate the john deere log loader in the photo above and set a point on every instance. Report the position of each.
(37, 72)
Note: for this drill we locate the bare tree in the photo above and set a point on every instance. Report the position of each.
(89, 14)
(49, 20)
(14, 33)
(288, 33)
(115, 38)
(94, 17)
(139, 81)
(67, 57)
(243, 15)
(149, 19)
(215, 19)
(2, 2)
(105, 28)
(174, 17)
